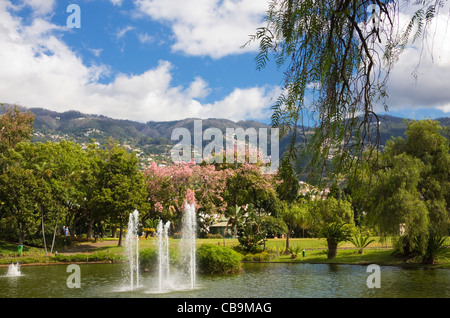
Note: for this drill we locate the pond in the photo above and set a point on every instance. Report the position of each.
(267, 280)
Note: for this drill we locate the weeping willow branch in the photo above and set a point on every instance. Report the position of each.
(336, 58)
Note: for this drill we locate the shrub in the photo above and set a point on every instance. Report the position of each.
(176, 235)
(259, 257)
(435, 246)
(294, 251)
(81, 257)
(213, 259)
(428, 247)
(213, 236)
(148, 258)
(71, 258)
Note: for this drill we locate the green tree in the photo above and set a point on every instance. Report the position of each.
(251, 235)
(89, 209)
(408, 186)
(247, 185)
(67, 162)
(23, 189)
(120, 185)
(273, 226)
(330, 210)
(424, 141)
(288, 184)
(15, 126)
(333, 220)
(18, 192)
(395, 198)
(295, 215)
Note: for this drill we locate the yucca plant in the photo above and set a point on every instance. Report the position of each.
(361, 241)
(434, 247)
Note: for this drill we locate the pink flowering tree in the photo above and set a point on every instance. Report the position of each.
(215, 188)
(169, 187)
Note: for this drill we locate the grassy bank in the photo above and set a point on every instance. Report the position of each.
(378, 253)
(351, 256)
(34, 255)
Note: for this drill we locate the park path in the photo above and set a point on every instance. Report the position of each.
(86, 247)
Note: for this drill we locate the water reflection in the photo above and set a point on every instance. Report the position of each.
(256, 280)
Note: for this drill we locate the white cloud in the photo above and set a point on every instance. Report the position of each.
(198, 89)
(116, 2)
(151, 96)
(421, 76)
(40, 70)
(39, 7)
(241, 104)
(146, 38)
(213, 28)
(96, 52)
(120, 34)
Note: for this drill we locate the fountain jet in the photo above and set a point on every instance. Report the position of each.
(188, 240)
(132, 248)
(162, 233)
(14, 270)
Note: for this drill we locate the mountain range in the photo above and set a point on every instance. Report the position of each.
(153, 137)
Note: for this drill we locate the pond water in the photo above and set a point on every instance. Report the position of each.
(256, 280)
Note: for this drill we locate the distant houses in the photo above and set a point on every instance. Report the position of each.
(313, 192)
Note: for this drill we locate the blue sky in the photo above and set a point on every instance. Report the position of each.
(170, 59)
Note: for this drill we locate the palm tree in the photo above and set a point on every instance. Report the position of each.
(335, 233)
(295, 215)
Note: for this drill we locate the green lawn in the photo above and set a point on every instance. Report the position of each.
(378, 252)
(370, 256)
(10, 250)
(347, 256)
(303, 243)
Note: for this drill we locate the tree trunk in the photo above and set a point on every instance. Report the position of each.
(428, 260)
(223, 235)
(21, 234)
(89, 230)
(120, 234)
(288, 234)
(54, 231)
(43, 232)
(332, 248)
